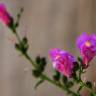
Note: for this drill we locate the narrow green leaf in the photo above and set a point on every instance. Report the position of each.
(18, 17)
(38, 83)
(80, 88)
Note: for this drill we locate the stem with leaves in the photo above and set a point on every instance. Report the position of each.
(39, 65)
(42, 76)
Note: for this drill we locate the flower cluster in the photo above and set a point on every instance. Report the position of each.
(64, 61)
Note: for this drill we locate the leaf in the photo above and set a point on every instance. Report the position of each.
(57, 76)
(70, 84)
(25, 40)
(91, 94)
(18, 18)
(80, 88)
(38, 83)
(11, 25)
(75, 78)
(76, 66)
(89, 84)
(80, 59)
(17, 46)
(43, 61)
(38, 60)
(36, 73)
(64, 80)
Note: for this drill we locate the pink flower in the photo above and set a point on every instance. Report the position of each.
(87, 46)
(62, 61)
(4, 15)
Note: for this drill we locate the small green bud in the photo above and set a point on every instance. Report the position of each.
(43, 60)
(36, 73)
(76, 66)
(17, 46)
(64, 79)
(38, 59)
(89, 84)
(57, 76)
(25, 40)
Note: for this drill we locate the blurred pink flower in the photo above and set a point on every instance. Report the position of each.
(4, 15)
(87, 46)
(62, 61)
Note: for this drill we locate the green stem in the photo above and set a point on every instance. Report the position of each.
(58, 85)
(29, 59)
(25, 54)
(17, 36)
(82, 83)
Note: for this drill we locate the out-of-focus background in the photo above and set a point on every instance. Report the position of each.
(47, 24)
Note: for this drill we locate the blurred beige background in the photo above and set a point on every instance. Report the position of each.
(47, 24)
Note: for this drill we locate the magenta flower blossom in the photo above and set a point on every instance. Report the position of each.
(62, 61)
(4, 15)
(87, 46)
